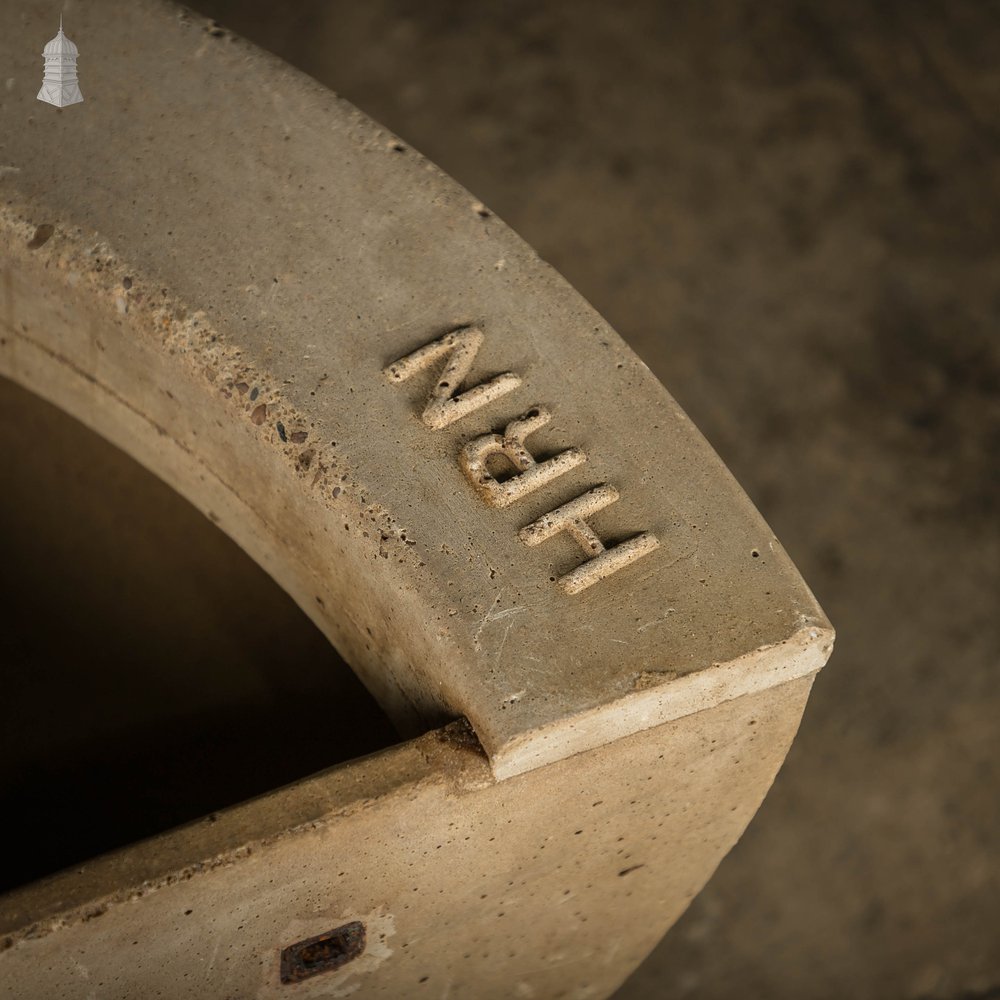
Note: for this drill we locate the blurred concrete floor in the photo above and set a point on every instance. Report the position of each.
(792, 212)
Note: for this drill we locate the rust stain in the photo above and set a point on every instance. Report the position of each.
(322, 953)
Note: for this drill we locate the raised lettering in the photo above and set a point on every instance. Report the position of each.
(601, 561)
(446, 404)
(532, 474)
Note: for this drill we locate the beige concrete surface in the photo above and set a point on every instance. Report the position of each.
(801, 204)
(790, 210)
(554, 883)
(585, 864)
(361, 278)
(327, 369)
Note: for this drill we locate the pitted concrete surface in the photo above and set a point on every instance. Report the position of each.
(790, 211)
(660, 681)
(787, 211)
(284, 276)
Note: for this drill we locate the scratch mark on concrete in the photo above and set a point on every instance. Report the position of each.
(495, 616)
(215, 953)
(503, 641)
(656, 621)
(486, 619)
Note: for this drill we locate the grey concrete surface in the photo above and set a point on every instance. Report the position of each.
(272, 411)
(791, 212)
(340, 262)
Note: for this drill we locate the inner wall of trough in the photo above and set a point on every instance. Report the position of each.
(151, 672)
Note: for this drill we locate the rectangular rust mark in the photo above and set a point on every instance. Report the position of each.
(322, 953)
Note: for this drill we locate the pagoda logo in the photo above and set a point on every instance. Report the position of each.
(60, 86)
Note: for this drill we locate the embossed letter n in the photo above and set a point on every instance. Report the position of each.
(446, 404)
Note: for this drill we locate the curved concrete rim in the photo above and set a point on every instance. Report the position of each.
(222, 270)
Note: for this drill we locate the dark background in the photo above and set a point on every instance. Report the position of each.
(790, 210)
